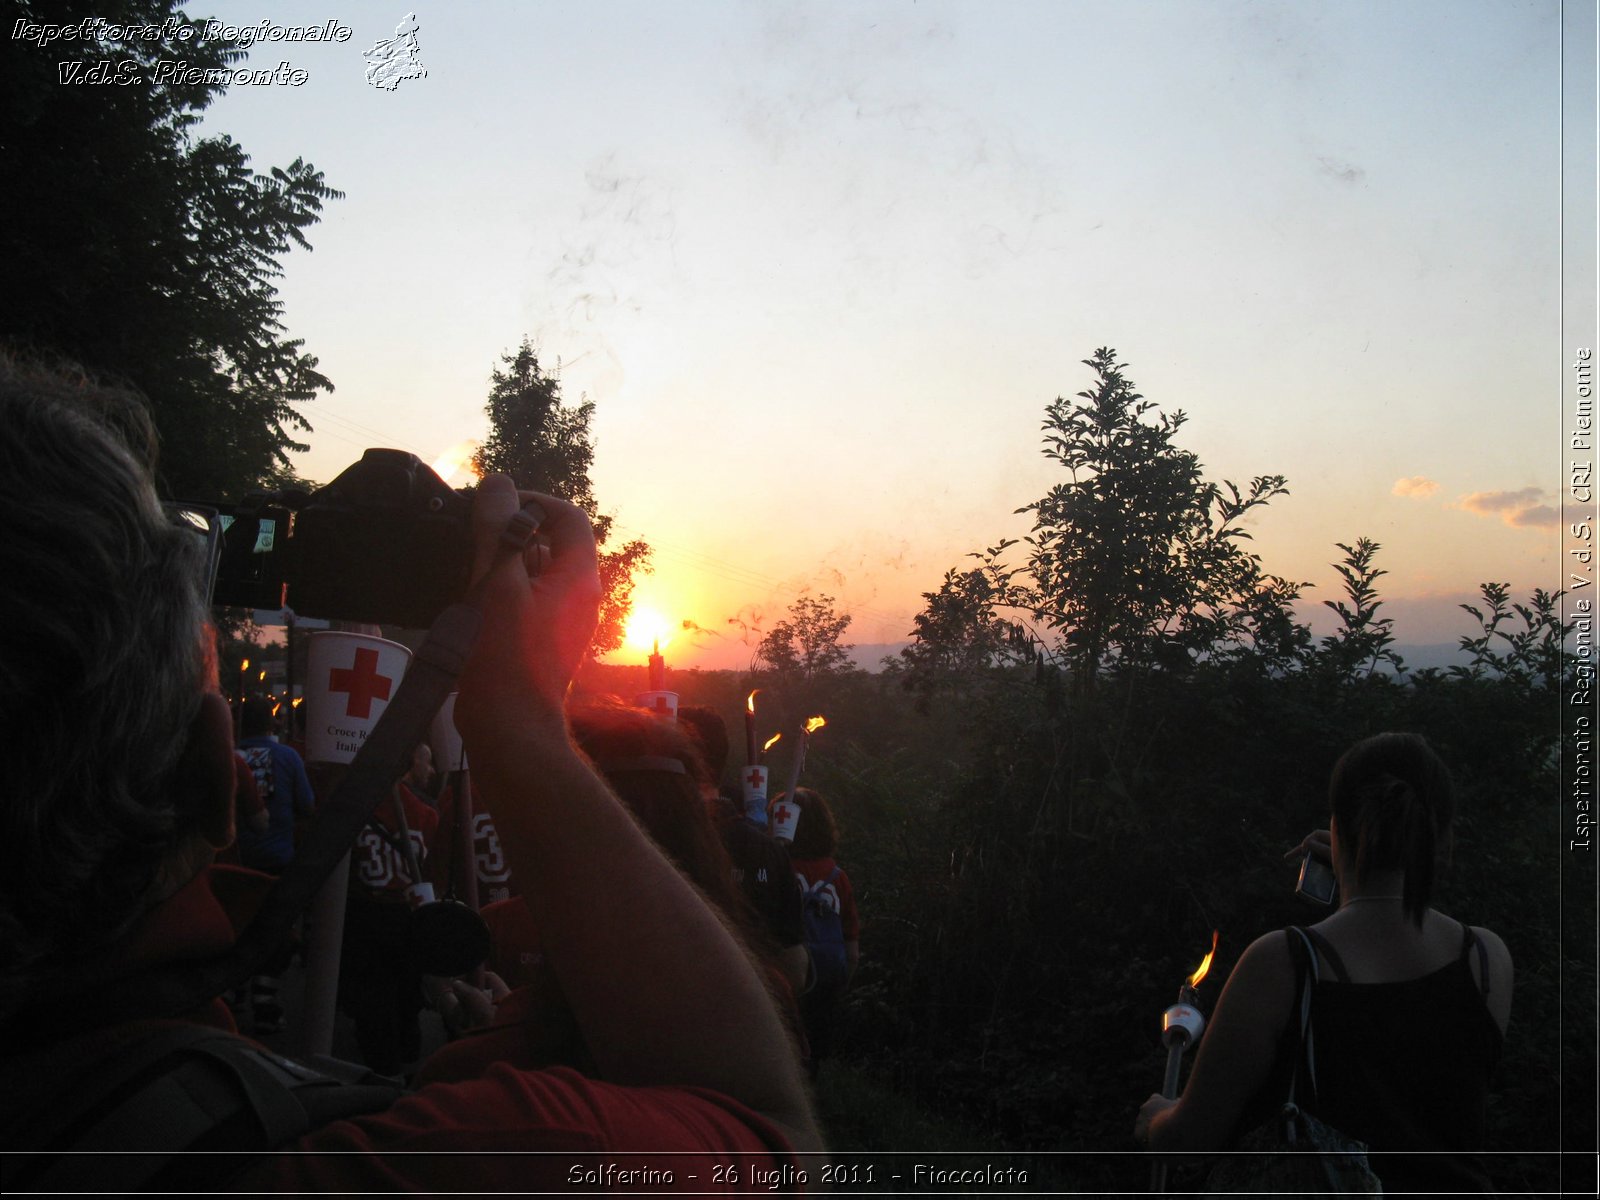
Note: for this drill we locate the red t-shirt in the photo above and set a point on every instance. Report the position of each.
(374, 861)
(475, 1096)
(488, 863)
(538, 1131)
(515, 953)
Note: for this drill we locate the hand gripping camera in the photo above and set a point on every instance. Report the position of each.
(386, 542)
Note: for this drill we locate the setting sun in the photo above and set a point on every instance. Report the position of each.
(454, 460)
(646, 627)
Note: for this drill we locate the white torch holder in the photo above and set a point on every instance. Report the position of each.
(1182, 1022)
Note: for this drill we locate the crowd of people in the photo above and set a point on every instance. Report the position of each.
(662, 971)
(115, 813)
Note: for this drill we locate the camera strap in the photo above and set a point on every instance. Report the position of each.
(170, 990)
(382, 759)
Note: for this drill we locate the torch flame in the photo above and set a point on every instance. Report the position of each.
(771, 742)
(814, 724)
(750, 701)
(1201, 971)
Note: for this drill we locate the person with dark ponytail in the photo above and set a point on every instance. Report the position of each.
(1410, 1006)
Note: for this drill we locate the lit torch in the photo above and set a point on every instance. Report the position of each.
(768, 745)
(754, 784)
(658, 668)
(752, 755)
(812, 725)
(754, 778)
(238, 721)
(1181, 1027)
(646, 625)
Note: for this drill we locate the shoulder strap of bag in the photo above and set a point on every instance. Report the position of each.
(140, 1115)
(1305, 1049)
(1328, 952)
(1469, 941)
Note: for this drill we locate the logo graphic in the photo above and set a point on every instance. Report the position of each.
(394, 59)
(362, 683)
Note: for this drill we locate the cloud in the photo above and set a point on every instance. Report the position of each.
(1416, 486)
(1521, 508)
(1540, 516)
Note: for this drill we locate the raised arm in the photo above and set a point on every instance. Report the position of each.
(1235, 1058)
(641, 957)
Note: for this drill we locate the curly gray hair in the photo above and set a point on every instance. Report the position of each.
(105, 655)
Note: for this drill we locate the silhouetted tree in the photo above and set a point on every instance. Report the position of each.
(1363, 639)
(547, 446)
(806, 647)
(1135, 555)
(958, 636)
(147, 254)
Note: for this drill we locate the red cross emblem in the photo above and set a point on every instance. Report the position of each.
(363, 683)
(755, 779)
(780, 815)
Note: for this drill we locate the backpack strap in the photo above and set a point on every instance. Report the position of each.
(1469, 940)
(1305, 954)
(142, 1111)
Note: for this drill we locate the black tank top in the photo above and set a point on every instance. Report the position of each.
(1402, 1066)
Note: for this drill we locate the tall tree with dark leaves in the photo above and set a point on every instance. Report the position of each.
(145, 252)
(548, 446)
(807, 647)
(1135, 556)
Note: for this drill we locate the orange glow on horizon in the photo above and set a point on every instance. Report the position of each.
(1204, 968)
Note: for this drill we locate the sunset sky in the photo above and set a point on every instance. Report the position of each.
(821, 266)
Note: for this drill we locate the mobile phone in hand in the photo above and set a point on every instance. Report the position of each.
(1316, 881)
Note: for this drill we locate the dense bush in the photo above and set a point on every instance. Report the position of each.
(1087, 763)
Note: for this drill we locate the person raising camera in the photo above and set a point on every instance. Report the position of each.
(121, 792)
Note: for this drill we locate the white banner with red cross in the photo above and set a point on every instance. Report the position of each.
(350, 679)
(785, 816)
(754, 784)
(663, 704)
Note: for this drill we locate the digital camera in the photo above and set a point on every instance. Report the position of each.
(386, 542)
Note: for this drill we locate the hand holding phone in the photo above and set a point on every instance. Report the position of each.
(1316, 880)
